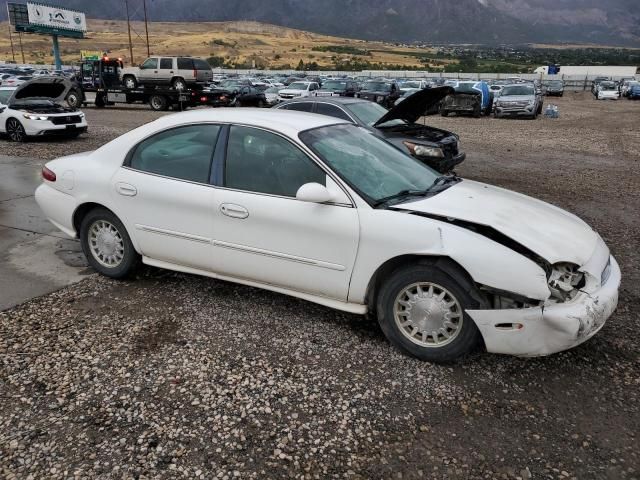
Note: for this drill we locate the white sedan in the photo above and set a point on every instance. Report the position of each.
(313, 207)
(34, 109)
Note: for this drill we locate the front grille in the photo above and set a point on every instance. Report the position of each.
(68, 120)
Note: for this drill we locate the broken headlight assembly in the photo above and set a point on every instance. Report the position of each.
(565, 281)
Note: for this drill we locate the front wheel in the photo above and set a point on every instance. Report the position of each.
(106, 244)
(422, 311)
(158, 103)
(16, 131)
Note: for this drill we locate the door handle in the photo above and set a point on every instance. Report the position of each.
(126, 189)
(234, 211)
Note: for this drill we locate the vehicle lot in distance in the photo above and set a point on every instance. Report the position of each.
(173, 375)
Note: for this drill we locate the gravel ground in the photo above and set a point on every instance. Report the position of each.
(171, 375)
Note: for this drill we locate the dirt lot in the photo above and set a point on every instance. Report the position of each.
(173, 376)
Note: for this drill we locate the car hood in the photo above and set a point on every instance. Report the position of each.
(44, 88)
(291, 90)
(414, 106)
(516, 98)
(550, 232)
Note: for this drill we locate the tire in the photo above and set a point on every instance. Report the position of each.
(129, 81)
(73, 99)
(116, 234)
(477, 111)
(443, 280)
(158, 103)
(237, 103)
(15, 130)
(444, 113)
(179, 84)
(261, 104)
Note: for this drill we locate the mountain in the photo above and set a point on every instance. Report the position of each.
(449, 21)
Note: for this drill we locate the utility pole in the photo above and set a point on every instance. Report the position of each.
(13, 53)
(146, 25)
(21, 49)
(126, 5)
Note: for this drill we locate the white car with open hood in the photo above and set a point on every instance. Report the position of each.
(314, 207)
(35, 108)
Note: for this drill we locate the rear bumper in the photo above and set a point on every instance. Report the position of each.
(58, 207)
(543, 331)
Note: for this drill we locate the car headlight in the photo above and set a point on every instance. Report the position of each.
(35, 117)
(81, 115)
(565, 281)
(424, 150)
(379, 98)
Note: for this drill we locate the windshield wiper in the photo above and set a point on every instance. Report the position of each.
(399, 195)
(439, 184)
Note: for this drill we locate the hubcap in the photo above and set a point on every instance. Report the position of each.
(428, 314)
(130, 83)
(106, 244)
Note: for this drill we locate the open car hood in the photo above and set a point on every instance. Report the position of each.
(54, 89)
(414, 106)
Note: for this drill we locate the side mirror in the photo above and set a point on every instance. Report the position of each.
(313, 193)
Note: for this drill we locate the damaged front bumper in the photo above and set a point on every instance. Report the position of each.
(537, 331)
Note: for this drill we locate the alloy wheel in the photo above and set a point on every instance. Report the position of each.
(15, 130)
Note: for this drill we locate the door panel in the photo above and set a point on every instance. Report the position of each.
(171, 219)
(307, 247)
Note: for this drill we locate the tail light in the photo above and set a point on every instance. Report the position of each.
(203, 99)
(48, 174)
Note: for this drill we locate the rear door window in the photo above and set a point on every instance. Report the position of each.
(185, 64)
(184, 153)
(331, 111)
(166, 63)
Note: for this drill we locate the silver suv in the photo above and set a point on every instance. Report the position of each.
(177, 72)
(518, 100)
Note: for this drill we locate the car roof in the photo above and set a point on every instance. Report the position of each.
(285, 121)
(334, 100)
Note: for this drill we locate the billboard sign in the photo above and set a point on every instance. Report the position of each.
(47, 20)
(53, 17)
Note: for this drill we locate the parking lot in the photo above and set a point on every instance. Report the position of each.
(171, 375)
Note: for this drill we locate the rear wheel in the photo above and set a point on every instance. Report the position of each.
(106, 244)
(15, 130)
(422, 311)
(158, 103)
(179, 84)
(261, 104)
(100, 101)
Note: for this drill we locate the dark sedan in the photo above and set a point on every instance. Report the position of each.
(437, 148)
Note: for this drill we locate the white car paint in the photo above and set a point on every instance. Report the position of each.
(36, 123)
(603, 94)
(298, 89)
(329, 253)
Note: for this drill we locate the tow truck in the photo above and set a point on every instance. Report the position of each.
(101, 76)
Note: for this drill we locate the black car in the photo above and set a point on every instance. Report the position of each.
(382, 92)
(250, 97)
(340, 88)
(437, 148)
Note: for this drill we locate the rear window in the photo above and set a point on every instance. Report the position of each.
(185, 64)
(201, 64)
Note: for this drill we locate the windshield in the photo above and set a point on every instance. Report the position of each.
(555, 83)
(370, 165)
(368, 113)
(466, 87)
(273, 90)
(229, 83)
(298, 86)
(334, 85)
(517, 90)
(608, 86)
(377, 86)
(5, 95)
(411, 85)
